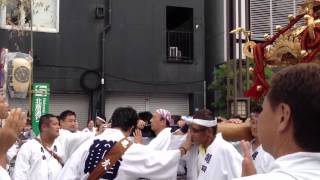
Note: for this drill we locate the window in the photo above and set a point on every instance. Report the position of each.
(179, 34)
(266, 14)
(17, 13)
(242, 107)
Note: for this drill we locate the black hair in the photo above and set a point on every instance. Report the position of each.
(146, 116)
(257, 109)
(66, 113)
(176, 118)
(45, 120)
(102, 116)
(124, 118)
(298, 86)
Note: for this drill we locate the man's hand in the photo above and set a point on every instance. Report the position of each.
(16, 120)
(187, 144)
(233, 121)
(248, 168)
(3, 107)
(137, 136)
(140, 124)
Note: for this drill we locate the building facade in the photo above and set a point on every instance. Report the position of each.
(98, 55)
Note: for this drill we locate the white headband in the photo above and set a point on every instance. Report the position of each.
(99, 118)
(201, 122)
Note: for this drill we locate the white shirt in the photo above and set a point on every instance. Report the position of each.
(296, 166)
(162, 140)
(166, 140)
(262, 160)
(138, 161)
(220, 162)
(4, 174)
(94, 130)
(34, 162)
(12, 151)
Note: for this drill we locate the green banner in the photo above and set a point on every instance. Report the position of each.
(40, 103)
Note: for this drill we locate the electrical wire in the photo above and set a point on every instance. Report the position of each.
(126, 79)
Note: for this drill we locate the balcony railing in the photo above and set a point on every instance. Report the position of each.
(179, 46)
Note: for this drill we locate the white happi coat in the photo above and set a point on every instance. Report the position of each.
(262, 160)
(34, 162)
(220, 162)
(166, 140)
(162, 140)
(296, 166)
(12, 151)
(4, 174)
(94, 130)
(138, 161)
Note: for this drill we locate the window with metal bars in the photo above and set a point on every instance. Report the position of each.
(179, 46)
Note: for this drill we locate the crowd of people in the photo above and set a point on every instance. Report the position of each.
(280, 141)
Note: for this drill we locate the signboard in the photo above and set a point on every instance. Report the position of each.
(40, 103)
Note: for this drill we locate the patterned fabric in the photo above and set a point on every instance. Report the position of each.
(96, 152)
(165, 114)
(254, 155)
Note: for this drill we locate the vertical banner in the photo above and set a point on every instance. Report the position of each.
(40, 103)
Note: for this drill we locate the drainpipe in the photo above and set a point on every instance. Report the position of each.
(104, 31)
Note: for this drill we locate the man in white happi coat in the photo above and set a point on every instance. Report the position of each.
(68, 121)
(165, 139)
(288, 125)
(160, 124)
(43, 157)
(262, 160)
(138, 161)
(211, 157)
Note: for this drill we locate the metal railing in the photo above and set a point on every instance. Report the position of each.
(179, 46)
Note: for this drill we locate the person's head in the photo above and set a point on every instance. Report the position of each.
(100, 120)
(291, 111)
(146, 116)
(90, 124)
(28, 126)
(178, 121)
(124, 118)
(181, 123)
(202, 134)
(68, 120)
(254, 115)
(160, 120)
(49, 126)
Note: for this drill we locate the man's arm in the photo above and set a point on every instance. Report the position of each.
(7, 138)
(72, 141)
(143, 162)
